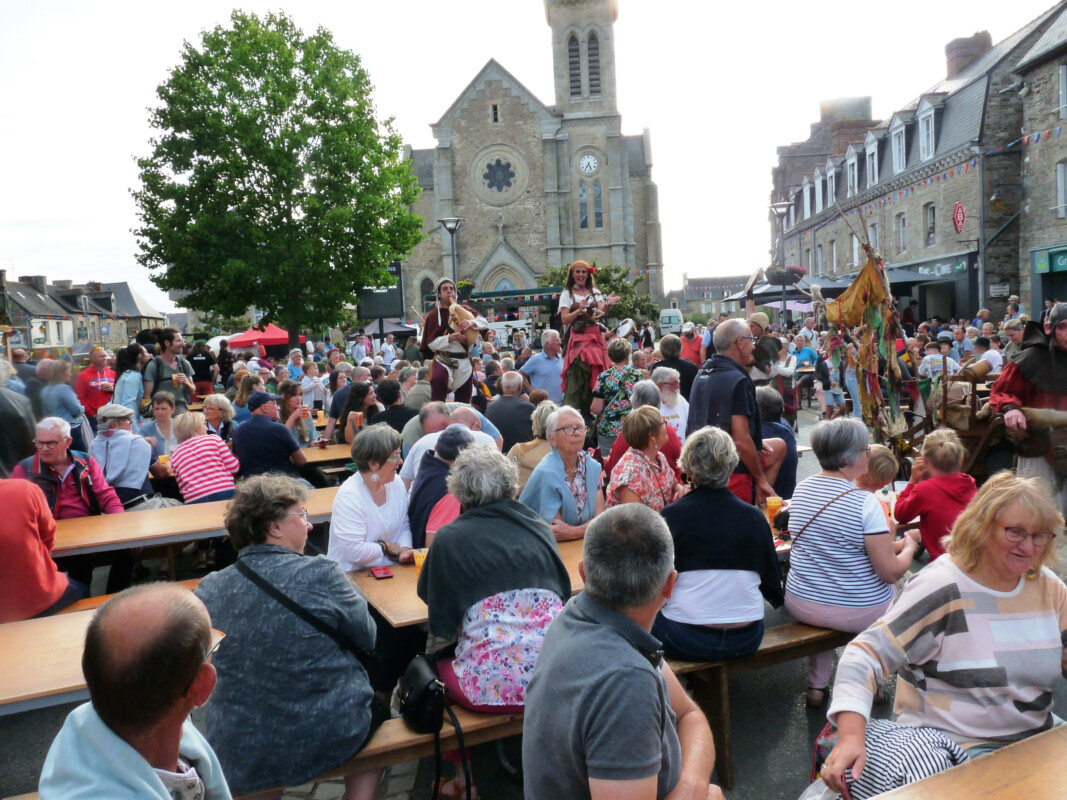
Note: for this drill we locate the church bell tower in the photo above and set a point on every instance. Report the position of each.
(583, 56)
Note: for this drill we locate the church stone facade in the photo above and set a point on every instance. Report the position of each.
(539, 186)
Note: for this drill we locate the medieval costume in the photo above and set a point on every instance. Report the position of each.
(450, 362)
(586, 351)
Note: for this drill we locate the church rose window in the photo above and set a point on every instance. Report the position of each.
(498, 175)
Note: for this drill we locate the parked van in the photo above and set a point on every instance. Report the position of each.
(670, 321)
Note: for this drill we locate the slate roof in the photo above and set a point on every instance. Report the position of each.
(1053, 39)
(129, 302)
(33, 302)
(422, 166)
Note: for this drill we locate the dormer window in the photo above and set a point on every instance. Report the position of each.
(872, 166)
(831, 194)
(926, 134)
(853, 175)
(818, 191)
(900, 158)
(807, 198)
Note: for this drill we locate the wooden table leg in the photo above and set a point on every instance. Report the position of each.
(711, 690)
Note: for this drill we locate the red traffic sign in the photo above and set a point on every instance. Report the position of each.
(958, 216)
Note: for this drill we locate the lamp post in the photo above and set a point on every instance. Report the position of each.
(779, 210)
(451, 224)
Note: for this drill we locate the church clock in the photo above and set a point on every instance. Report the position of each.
(588, 164)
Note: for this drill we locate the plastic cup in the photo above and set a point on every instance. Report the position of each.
(164, 459)
(305, 412)
(774, 505)
(420, 556)
(359, 418)
(176, 379)
(320, 415)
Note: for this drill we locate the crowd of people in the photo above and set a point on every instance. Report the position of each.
(661, 456)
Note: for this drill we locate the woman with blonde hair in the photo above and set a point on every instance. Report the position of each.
(994, 604)
(219, 413)
(203, 465)
(248, 385)
(937, 492)
(643, 474)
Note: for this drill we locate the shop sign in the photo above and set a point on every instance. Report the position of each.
(83, 333)
(1041, 262)
(999, 289)
(938, 269)
(958, 217)
(105, 330)
(1058, 260)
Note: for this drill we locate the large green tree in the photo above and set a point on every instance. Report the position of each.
(270, 180)
(611, 278)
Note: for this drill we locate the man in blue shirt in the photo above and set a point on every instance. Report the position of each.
(262, 444)
(543, 370)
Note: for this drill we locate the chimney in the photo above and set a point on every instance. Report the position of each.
(62, 284)
(961, 52)
(38, 282)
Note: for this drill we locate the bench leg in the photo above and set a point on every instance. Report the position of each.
(711, 689)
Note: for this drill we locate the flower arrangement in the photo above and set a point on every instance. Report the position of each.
(785, 276)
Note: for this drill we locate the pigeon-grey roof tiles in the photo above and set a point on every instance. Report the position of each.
(1052, 40)
(129, 302)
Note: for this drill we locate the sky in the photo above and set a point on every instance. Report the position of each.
(720, 85)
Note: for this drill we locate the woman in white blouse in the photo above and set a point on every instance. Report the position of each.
(369, 528)
(369, 525)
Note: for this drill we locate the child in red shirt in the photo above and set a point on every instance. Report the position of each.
(937, 492)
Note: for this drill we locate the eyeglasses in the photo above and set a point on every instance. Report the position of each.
(303, 514)
(1017, 535)
(570, 430)
(394, 458)
(752, 339)
(47, 445)
(203, 661)
(672, 384)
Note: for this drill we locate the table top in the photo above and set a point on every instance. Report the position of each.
(328, 454)
(195, 406)
(1034, 767)
(160, 526)
(41, 662)
(396, 598)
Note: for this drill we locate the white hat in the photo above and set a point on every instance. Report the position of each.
(688, 327)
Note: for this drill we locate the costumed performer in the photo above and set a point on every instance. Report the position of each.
(581, 306)
(448, 348)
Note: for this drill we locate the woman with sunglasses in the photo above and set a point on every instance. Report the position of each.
(565, 487)
(265, 684)
(844, 560)
(976, 637)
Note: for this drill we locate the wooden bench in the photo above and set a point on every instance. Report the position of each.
(393, 743)
(90, 603)
(710, 682)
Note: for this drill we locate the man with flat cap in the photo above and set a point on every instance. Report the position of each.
(147, 663)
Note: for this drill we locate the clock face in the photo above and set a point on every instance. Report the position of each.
(588, 164)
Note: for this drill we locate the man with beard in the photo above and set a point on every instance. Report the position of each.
(671, 348)
(673, 407)
(690, 344)
(1036, 378)
(724, 396)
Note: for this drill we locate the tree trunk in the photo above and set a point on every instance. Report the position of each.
(294, 337)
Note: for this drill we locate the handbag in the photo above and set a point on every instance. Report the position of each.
(370, 661)
(423, 706)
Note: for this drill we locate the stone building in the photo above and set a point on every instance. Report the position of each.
(935, 187)
(1042, 74)
(706, 296)
(537, 185)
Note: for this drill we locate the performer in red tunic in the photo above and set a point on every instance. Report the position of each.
(450, 368)
(1036, 377)
(581, 307)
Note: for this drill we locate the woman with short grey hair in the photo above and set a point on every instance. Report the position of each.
(264, 680)
(844, 561)
(725, 570)
(527, 455)
(565, 487)
(493, 580)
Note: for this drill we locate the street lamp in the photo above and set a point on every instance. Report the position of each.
(451, 224)
(779, 210)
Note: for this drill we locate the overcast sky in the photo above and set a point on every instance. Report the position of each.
(720, 86)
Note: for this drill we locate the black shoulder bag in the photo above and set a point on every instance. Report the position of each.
(423, 705)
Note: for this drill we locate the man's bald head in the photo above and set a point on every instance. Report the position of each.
(18, 355)
(468, 417)
(433, 417)
(142, 649)
(44, 366)
(360, 374)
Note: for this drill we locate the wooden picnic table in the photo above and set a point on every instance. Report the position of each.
(195, 407)
(397, 600)
(160, 526)
(41, 662)
(330, 454)
(1033, 767)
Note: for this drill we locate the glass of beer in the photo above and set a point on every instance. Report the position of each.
(305, 412)
(420, 556)
(359, 418)
(774, 505)
(177, 379)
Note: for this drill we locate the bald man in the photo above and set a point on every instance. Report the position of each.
(147, 663)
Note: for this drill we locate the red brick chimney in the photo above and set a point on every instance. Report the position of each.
(961, 52)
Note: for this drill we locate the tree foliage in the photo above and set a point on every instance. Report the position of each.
(270, 181)
(611, 278)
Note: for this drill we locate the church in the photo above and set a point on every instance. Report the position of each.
(539, 186)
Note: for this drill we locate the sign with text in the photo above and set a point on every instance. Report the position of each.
(999, 289)
(378, 302)
(958, 217)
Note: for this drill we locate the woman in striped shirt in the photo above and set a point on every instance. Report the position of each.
(977, 638)
(202, 463)
(844, 561)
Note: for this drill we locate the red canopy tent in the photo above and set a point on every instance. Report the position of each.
(271, 335)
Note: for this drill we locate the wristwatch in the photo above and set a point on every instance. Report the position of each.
(385, 550)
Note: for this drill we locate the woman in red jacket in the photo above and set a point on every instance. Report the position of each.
(937, 492)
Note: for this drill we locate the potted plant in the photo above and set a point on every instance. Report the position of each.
(464, 289)
(785, 276)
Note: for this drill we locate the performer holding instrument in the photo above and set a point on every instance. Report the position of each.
(447, 334)
(581, 307)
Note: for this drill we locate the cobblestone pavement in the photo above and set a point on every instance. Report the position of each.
(397, 784)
